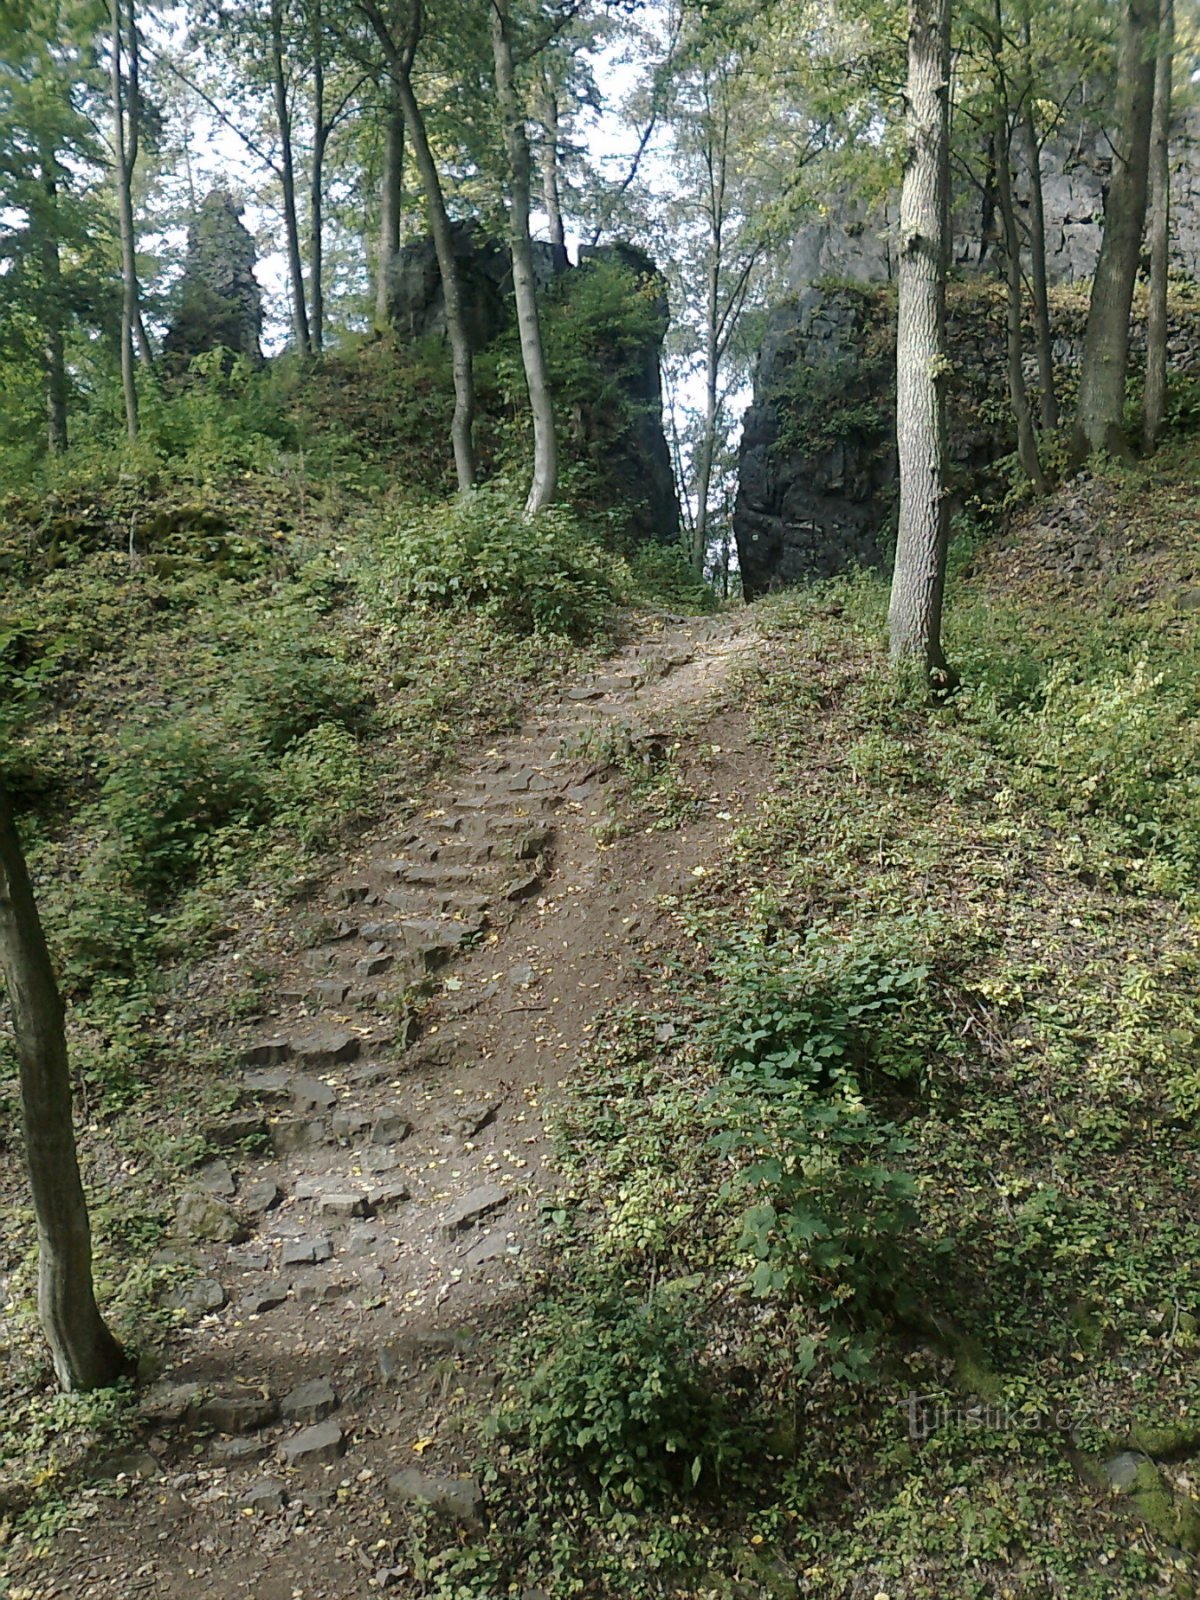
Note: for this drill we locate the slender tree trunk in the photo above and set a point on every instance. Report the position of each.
(1155, 400)
(124, 174)
(551, 197)
(1047, 385)
(1099, 419)
(1027, 450)
(85, 1354)
(463, 425)
(389, 210)
(918, 581)
(53, 353)
(712, 361)
(545, 442)
(316, 196)
(291, 222)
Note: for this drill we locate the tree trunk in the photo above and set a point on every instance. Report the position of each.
(53, 355)
(463, 424)
(291, 222)
(1099, 419)
(85, 1354)
(123, 169)
(1155, 401)
(316, 195)
(918, 581)
(1048, 399)
(551, 197)
(712, 361)
(545, 443)
(389, 210)
(1027, 450)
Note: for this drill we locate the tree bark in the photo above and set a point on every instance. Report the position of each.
(545, 442)
(85, 1354)
(316, 194)
(1155, 400)
(712, 363)
(291, 222)
(1027, 450)
(918, 580)
(1099, 420)
(389, 210)
(53, 352)
(124, 152)
(551, 196)
(1048, 397)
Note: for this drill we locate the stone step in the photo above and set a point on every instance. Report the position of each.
(436, 941)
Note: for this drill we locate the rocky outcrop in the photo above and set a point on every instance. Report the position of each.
(218, 302)
(817, 462)
(817, 470)
(625, 444)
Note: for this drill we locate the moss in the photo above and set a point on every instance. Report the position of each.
(972, 1373)
(1166, 1441)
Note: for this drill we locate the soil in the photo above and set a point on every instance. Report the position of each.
(392, 1227)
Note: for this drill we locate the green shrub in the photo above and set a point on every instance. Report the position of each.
(1121, 746)
(663, 575)
(616, 1397)
(545, 575)
(320, 784)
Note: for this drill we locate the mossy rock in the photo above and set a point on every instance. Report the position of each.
(1171, 1517)
(1168, 1441)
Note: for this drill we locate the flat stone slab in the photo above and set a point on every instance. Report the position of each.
(261, 1195)
(216, 1178)
(229, 1132)
(197, 1298)
(314, 1446)
(458, 1498)
(237, 1452)
(237, 1413)
(492, 1247)
(268, 1085)
(325, 1047)
(266, 1052)
(390, 1128)
(309, 1402)
(260, 1301)
(481, 1202)
(311, 1094)
(264, 1496)
(290, 1134)
(205, 1217)
(307, 1252)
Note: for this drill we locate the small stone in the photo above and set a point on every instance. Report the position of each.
(237, 1452)
(332, 990)
(311, 1094)
(168, 1403)
(129, 1464)
(260, 1301)
(228, 1133)
(237, 1413)
(373, 966)
(264, 1495)
(307, 1252)
(298, 1133)
(325, 1047)
(522, 975)
(266, 1052)
(309, 1402)
(390, 1128)
(204, 1218)
(361, 1239)
(490, 1248)
(1122, 1471)
(521, 888)
(349, 1126)
(198, 1298)
(216, 1178)
(457, 1498)
(479, 1203)
(268, 1085)
(472, 1119)
(260, 1196)
(343, 1204)
(382, 1196)
(313, 1446)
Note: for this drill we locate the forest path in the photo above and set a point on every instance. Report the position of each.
(343, 1288)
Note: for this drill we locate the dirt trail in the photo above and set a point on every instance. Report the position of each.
(345, 1276)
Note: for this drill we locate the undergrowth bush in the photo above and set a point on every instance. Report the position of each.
(614, 1396)
(545, 575)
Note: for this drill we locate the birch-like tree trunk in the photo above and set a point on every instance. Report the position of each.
(1099, 419)
(1155, 400)
(85, 1354)
(287, 172)
(551, 192)
(1032, 151)
(316, 186)
(391, 202)
(53, 348)
(918, 580)
(533, 359)
(124, 116)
